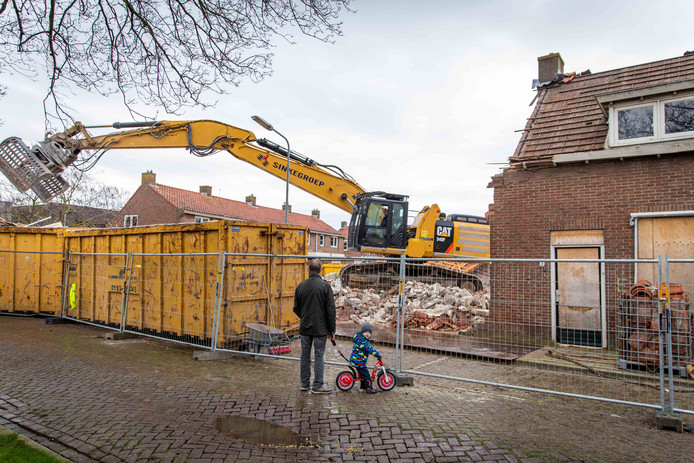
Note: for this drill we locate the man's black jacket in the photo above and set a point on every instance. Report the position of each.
(315, 305)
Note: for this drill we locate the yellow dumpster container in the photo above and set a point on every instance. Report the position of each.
(31, 270)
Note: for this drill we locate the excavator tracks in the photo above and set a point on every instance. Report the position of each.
(384, 275)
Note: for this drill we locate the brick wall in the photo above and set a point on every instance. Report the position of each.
(150, 208)
(530, 204)
(315, 246)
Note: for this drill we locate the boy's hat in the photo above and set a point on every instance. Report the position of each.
(366, 327)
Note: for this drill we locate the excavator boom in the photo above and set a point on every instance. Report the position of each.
(34, 168)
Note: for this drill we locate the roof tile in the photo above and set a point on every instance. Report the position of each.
(198, 203)
(568, 119)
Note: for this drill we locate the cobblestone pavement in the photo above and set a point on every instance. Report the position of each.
(91, 399)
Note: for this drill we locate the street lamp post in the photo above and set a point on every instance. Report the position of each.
(267, 126)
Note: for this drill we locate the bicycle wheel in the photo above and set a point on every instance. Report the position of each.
(344, 380)
(385, 381)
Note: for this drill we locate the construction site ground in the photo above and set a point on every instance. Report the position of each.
(88, 398)
(440, 341)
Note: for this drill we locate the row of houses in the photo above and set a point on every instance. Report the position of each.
(154, 203)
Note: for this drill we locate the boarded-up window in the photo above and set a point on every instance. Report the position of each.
(671, 236)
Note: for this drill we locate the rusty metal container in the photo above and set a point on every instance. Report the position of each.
(31, 270)
(261, 289)
(171, 273)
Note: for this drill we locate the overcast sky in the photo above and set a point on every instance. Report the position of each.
(417, 98)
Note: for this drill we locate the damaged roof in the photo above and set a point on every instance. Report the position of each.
(567, 117)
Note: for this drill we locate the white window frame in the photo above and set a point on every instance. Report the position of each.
(200, 219)
(130, 221)
(322, 240)
(334, 241)
(659, 134)
(308, 243)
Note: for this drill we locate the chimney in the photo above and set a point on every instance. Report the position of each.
(250, 200)
(315, 213)
(284, 207)
(149, 178)
(343, 224)
(548, 67)
(206, 190)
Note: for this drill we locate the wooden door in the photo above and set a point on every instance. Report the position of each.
(578, 297)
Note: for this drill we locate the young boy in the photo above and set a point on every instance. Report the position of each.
(360, 354)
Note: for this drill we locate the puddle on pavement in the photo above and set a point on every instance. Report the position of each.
(261, 432)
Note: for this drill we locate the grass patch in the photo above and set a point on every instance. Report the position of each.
(14, 450)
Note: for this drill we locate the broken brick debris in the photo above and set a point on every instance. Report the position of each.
(433, 307)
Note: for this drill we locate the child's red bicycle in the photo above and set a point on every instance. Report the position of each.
(345, 379)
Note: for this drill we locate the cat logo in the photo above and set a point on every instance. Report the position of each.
(444, 231)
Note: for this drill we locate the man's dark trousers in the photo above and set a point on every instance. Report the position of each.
(318, 343)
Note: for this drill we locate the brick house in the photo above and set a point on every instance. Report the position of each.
(154, 204)
(603, 169)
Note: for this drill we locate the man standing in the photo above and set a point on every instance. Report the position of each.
(315, 306)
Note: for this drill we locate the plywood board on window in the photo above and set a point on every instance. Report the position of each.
(671, 236)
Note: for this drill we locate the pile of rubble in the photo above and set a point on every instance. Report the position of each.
(427, 306)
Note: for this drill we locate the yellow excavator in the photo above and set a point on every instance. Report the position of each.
(379, 220)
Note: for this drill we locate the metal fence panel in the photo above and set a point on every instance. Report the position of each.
(173, 297)
(568, 326)
(681, 287)
(258, 290)
(256, 310)
(94, 288)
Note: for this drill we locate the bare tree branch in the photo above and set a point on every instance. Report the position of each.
(166, 53)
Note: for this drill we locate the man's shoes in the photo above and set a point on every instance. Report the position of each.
(321, 390)
(304, 388)
(371, 391)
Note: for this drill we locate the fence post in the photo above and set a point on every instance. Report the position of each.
(668, 334)
(126, 290)
(399, 326)
(666, 418)
(66, 270)
(661, 359)
(218, 298)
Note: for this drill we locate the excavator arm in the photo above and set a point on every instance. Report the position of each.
(39, 168)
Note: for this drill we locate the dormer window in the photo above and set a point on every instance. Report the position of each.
(659, 120)
(658, 113)
(130, 221)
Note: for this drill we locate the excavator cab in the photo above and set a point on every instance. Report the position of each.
(379, 221)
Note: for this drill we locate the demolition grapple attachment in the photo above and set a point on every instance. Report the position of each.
(37, 168)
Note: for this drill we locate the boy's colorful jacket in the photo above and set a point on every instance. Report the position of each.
(361, 350)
